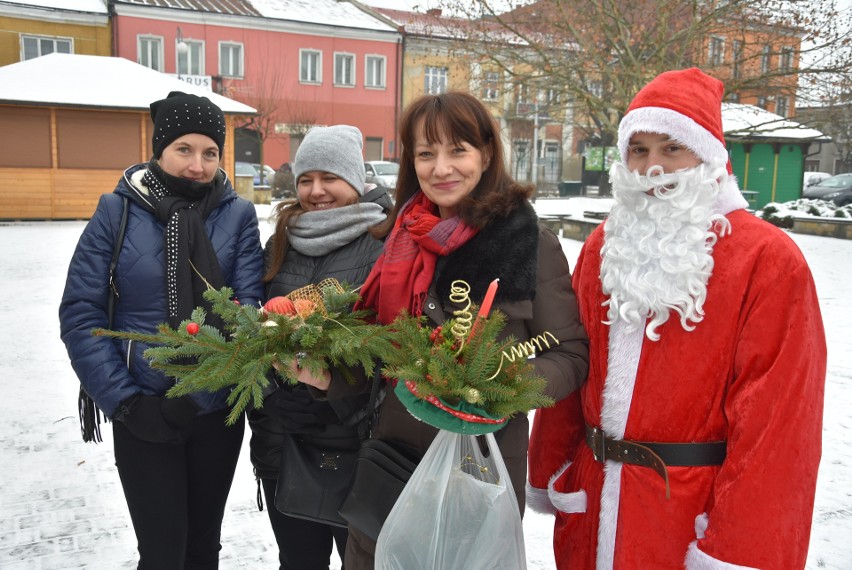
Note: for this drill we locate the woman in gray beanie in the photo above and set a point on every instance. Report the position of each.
(326, 233)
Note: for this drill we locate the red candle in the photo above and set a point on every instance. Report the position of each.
(485, 308)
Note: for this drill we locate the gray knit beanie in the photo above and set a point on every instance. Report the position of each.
(336, 150)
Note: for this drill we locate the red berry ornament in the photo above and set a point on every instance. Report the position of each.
(192, 328)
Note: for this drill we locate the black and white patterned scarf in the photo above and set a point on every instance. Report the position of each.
(191, 263)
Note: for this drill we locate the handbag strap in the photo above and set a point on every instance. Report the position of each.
(90, 415)
(119, 241)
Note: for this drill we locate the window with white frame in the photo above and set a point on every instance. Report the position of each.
(310, 66)
(231, 59)
(35, 46)
(491, 86)
(149, 51)
(191, 62)
(761, 101)
(344, 69)
(782, 106)
(785, 62)
(737, 54)
(436, 80)
(716, 51)
(765, 59)
(374, 74)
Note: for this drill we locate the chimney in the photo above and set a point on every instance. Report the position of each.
(433, 12)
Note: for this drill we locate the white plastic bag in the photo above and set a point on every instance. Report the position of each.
(458, 511)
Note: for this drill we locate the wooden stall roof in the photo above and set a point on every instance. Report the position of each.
(90, 81)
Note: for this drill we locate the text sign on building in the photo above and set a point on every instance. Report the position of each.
(203, 81)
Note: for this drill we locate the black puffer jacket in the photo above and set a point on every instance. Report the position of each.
(350, 264)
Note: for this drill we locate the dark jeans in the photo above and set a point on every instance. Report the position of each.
(302, 544)
(177, 493)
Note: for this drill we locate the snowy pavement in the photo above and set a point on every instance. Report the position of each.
(61, 504)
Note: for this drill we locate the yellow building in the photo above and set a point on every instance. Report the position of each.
(28, 30)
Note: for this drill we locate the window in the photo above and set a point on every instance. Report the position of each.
(523, 94)
(35, 46)
(782, 106)
(436, 80)
(491, 86)
(785, 62)
(344, 69)
(375, 71)
(734, 97)
(716, 51)
(550, 96)
(230, 59)
(150, 52)
(761, 101)
(765, 58)
(309, 66)
(191, 62)
(737, 48)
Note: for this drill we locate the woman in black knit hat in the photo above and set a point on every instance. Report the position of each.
(185, 228)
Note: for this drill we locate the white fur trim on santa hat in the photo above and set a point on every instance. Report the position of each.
(678, 127)
(697, 560)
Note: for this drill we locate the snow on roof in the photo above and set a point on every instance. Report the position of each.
(748, 121)
(96, 6)
(96, 81)
(327, 12)
(228, 7)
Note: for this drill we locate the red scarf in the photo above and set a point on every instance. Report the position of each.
(401, 277)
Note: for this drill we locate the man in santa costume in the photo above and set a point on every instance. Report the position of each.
(696, 440)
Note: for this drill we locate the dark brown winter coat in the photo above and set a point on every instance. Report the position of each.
(536, 295)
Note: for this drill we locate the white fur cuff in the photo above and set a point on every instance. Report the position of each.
(538, 500)
(697, 560)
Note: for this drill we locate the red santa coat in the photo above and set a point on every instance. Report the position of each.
(752, 373)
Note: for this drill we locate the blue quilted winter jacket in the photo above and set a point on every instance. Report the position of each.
(111, 370)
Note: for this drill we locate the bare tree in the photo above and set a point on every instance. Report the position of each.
(280, 112)
(596, 54)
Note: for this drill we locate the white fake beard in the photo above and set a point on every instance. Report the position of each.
(657, 253)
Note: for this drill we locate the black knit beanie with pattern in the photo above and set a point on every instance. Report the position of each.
(181, 114)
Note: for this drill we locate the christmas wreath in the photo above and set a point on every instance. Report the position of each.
(459, 376)
(314, 324)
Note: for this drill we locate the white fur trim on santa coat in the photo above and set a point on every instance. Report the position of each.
(697, 560)
(677, 126)
(549, 501)
(730, 198)
(625, 347)
(538, 500)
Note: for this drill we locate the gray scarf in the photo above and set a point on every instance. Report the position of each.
(321, 232)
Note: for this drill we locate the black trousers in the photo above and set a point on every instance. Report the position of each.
(176, 494)
(302, 544)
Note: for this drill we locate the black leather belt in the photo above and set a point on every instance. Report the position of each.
(655, 455)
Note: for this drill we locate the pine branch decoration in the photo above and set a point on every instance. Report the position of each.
(315, 324)
(454, 365)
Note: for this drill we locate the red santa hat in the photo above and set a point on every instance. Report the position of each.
(686, 105)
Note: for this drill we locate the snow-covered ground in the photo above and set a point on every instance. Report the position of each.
(61, 504)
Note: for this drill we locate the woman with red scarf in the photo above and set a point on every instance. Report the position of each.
(459, 215)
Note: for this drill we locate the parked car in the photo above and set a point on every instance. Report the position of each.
(382, 173)
(244, 169)
(838, 189)
(811, 178)
(253, 170)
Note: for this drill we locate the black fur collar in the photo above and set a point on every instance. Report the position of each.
(506, 248)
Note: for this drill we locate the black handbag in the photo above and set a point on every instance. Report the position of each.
(381, 473)
(312, 481)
